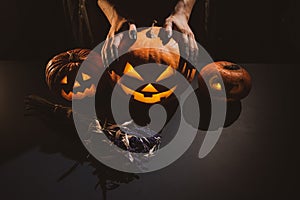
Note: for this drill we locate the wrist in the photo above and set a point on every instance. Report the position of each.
(181, 16)
(183, 9)
(118, 23)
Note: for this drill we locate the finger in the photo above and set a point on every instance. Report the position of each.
(168, 28)
(109, 53)
(185, 45)
(196, 54)
(103, 54)
(115, 53)
(112, 51)
(115, 46)
(106, 54)
(132, 32)
(192, 49)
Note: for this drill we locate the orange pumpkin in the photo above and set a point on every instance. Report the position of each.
(159, 64)
(233, 77)
(61, 73)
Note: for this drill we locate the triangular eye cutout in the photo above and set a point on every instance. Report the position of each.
(64, 80)
(85, 77)
(215, 83)
(76, 84)
(130, 71)
(166, 74)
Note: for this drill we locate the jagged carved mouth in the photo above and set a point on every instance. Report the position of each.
(88, 92)
(148, 97)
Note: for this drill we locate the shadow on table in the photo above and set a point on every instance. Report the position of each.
(61, 138)
(233, 111)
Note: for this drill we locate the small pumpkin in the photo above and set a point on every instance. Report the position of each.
(62, 69)
(233, 77)
(159, 64)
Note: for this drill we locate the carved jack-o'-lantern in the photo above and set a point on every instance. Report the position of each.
(236, 80)
(151, 62)
(150, 92)
(61, 73)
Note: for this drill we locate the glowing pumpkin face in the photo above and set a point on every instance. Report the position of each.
(153, 64)
(68, 82)
(150, 92)
(233, 77)
(61, 73)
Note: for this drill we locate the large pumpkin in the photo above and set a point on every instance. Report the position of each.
(158, 64)
(233, 77)
(62, 69)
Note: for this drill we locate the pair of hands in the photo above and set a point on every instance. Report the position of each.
(187, 43)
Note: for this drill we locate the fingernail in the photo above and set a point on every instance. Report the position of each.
(132, 35)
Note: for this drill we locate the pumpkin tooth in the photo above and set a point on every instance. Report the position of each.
(192, 75)
(183, 69)
(87, 92)
(68, 95)
(155, 97)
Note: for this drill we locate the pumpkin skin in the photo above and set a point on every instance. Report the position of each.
(236, 79)
(150, 51)
(61, 73)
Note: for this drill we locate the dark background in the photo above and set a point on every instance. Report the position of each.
(255, 158)
(242, 31)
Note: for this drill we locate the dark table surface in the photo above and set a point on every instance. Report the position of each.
(255, 158)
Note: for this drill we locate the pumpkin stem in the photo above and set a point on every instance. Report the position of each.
(153, 23)
(73, 57)
(152, 35)
(232, 67)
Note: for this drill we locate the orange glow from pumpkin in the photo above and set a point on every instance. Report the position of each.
(115, 77)
(214, 83)
(156, 96)
(153, 99)
(76, 84)
(166, 74)
(149, 88)
(130, 71)
(64, 80)
(85, 77)
(88, 92)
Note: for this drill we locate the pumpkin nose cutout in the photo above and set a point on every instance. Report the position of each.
(149, 88)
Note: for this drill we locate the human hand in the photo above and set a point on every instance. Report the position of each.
(110, 47)
(187, 43)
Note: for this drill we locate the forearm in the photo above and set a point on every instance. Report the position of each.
(111, 14)
(184, 7)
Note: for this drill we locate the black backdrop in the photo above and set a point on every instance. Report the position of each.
(241, 31)
(255, 158)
